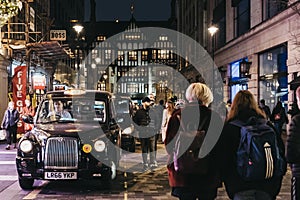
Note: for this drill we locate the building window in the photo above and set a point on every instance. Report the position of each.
(94, 53)
(108, 54)
(242, 17)
(132, 88)
(144, 55)
(163, 54)
(120, 55)
(163, 38)
(101, 38)
(154, 54)
(219, 18)
(273, 83)
(272, 8)
(132, 55)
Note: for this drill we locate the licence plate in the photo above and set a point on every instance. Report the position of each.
(61, 175)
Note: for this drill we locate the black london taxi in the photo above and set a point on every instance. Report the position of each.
(75, 136)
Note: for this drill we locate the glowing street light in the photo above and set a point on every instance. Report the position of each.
(212, 30)
(78, 28)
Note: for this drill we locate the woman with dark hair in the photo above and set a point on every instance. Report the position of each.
(243, 108)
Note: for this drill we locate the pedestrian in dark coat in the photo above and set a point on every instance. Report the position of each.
(293, 150)
(145, 118)
(9, 122)
(190, 185)
(265, 108)
(243, 107)
(279, 117)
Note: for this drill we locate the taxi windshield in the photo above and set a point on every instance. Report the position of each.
(71, 110)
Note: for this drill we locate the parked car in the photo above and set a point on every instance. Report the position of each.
(124, 110)
(83, 144)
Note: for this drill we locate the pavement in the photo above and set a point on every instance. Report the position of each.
(133, 183)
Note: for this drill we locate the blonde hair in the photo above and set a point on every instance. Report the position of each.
(199, 92)
(244, 100)
(298, 92)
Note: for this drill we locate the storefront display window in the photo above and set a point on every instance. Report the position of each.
(273, 81)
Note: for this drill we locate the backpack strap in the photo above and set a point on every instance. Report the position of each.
(251, 121)
(238, 123)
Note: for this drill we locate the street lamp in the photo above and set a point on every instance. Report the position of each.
(212, 30)
(78, 28)
(245, 68)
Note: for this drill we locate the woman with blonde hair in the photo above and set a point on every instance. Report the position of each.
(195, 115)
(244, 107)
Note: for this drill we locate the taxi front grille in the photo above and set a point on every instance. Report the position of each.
(61, 153)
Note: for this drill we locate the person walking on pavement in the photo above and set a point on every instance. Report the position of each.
(279, 117)
(186, 185)
(157, 111)
(145, 119)
(265, 108)
(28, 110)
(293, 151)
(9, 123)
(167, 113)
(243, 108)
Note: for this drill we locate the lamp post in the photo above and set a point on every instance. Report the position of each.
(212, 30)
(78, 28)
(105, 77)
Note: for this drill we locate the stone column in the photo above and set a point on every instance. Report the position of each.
(3, 85)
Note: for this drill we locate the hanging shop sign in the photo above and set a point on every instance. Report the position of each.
(38, 81)
(19, 81)
(60, 35)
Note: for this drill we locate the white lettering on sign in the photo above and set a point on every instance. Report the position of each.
(19, 87)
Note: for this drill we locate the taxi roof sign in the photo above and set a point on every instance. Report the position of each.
(74, 92)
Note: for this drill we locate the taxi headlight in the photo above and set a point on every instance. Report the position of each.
(26, 146)
(99, 145)
(128, 130)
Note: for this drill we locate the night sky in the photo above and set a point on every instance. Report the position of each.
(144, 10)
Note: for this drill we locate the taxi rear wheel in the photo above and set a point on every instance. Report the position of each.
(26, 184)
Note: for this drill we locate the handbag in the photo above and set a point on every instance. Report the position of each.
(186, 151)
(2, 134)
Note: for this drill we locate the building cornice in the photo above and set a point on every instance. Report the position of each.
(263, 27)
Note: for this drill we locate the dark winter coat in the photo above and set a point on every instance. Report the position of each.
(230, 139)
(146, 121)
(15, 118)
(281, 112)
(192, 181)
(293, 145)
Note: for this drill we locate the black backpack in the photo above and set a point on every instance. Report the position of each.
(258, 154)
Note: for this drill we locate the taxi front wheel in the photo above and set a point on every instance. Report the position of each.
(26, 184)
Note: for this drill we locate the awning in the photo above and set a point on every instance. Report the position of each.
(50, 50)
